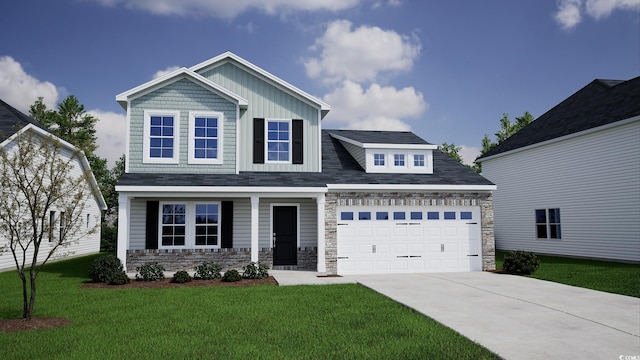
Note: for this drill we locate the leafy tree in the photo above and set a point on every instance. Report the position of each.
(451, 150)
(35, 180)
(507, 129)
(110, 225)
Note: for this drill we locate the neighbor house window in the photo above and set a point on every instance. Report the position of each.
(190, 225)
(548, 223)
(205, 138)
(378, 159)
(398, 159)
(52, 224)
(278, 140)
(161, 136)
(418, 160)
(63, 225)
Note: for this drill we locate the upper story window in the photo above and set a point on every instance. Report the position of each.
(548, 223)
(418, 160)
(378, 160)
(205, 137)
(161, 129)
(278, 140)
(398, 160)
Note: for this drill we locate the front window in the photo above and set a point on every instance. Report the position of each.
(418, 160)
(398, 160)
(378, 159)
(548, 223)
(205, 138)
(173, 224)
(278, 140)
(207, 224)
(190, 225)
(161, 136)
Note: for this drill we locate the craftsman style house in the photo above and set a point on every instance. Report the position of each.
(229, 163)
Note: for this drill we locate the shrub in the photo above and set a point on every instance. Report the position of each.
(520, 262)
(255, 270)
(150, 272)
(104, 268)
(181, 277)
(231, 275)
(120, 278)
(208, 271)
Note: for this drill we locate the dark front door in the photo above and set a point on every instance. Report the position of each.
(285, 235)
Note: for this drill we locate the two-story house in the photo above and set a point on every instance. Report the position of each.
(229, 163)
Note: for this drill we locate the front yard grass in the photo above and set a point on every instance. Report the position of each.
(259, 322)
(613, 277)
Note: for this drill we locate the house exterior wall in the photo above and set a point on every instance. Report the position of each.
(184, 96)
(482, 199)
(270, 102)
(594, 180)
(77, 246)
(358, 153)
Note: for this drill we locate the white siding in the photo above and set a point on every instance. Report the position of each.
(595, 181)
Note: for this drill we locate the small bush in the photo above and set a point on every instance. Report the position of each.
(255, 270)
(208, 271)
(181, 277)
(150, 272)
(120, 278)
(231, 275)
(104, 268)
(520, 262)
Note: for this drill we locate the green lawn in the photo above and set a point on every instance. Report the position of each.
(260, 322)
(613, 277)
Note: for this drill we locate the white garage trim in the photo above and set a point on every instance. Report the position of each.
(408, 239)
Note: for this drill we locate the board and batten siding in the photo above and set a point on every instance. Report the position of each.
(269, 102)
(184, 96)
(594, 180)
(77, 246)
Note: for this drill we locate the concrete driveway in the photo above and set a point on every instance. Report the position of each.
(521, 318)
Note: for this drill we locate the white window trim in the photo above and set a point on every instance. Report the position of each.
(146, 158)
(190, 225)
(413, 160)
(404, 160)
(266, 142)
(384, 159)
(390, 167)
(192, 140)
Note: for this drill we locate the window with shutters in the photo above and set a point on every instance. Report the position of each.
(190, 225)
(278, 141)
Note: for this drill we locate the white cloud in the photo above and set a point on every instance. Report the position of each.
(570, 12)
(376, 108)
(111, 133)
(469, 154)
(169, 69)
(21, 90)
(361, 54)
(230, 9)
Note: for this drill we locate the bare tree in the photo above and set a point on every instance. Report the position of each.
(44, 198)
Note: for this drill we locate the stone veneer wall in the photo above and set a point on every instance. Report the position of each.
(482, 199)
(188, 259)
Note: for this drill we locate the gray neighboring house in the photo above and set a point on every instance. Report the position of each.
(569, 182)
(229, 163)
(12, 123)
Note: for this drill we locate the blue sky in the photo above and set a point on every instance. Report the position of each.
(446, 70)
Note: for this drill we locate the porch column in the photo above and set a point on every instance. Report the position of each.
(255, 233)
(124, 205)
(322, 266)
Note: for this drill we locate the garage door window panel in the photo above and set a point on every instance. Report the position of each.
(364, 215)
(416, 215)
(346, 215)
(433, 215)
(382, 215)
(449, 215)
(399, 215)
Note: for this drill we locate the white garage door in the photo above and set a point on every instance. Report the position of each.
(375, 240)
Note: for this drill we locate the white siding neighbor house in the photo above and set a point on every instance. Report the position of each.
(569, 182)
(14, 123)
(230, 164)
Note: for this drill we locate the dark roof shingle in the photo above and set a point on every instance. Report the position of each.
(12, 120)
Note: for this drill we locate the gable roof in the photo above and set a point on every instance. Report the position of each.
(178, 74)
(13, 122)
(267, 76)
(339, 171)
(601, 102)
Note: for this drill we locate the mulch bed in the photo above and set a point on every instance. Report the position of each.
(12, 325)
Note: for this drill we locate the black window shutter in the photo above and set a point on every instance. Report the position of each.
(151, 240)
(296, 136)
(226, 229)
(258, 141)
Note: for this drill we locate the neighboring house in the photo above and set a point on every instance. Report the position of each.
(14, 123)
(569, 182)
(228, 163)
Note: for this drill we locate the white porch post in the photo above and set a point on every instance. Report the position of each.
(255, 233)
(322, 266)
(124, 205)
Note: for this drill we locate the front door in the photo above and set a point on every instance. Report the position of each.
(285, 235)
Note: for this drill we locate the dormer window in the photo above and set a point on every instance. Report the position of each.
(418, 160)
(398, 160)
(378, 160)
